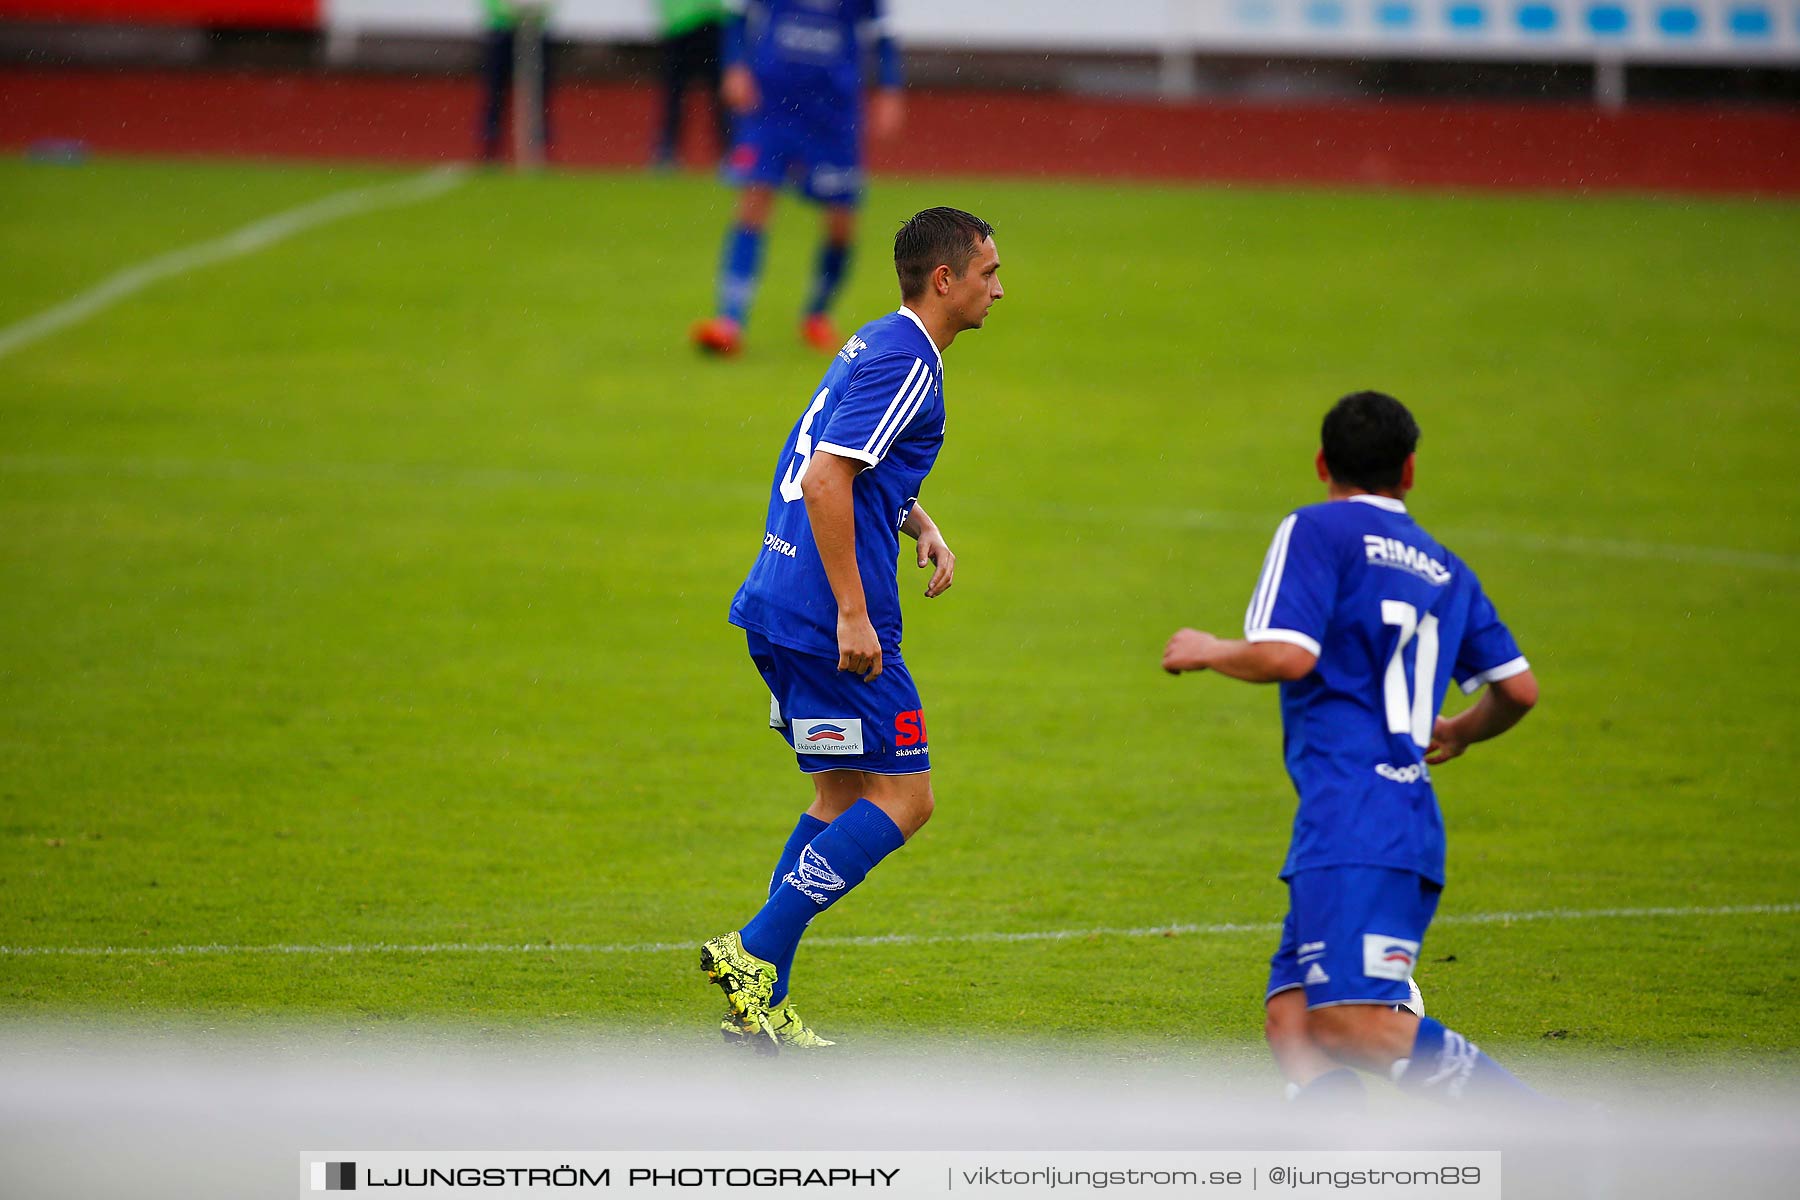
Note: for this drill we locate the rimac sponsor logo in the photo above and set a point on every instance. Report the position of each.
(1392, 552)
(771, 542)
(828, 735)
(852, 348)
(1388, 957)
(1410, 773)
(334, 1177)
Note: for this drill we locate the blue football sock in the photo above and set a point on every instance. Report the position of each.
(1447, 1066)
(739, 268)
(828, 276)
(809, 828)
(830, 865)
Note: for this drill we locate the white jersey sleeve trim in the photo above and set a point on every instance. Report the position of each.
(896, 407)
(1505, 670)
(902, 411)
(846, 452)
(1292, 637)
(1262, 602)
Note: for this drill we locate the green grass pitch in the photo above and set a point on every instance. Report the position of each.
(371, 588)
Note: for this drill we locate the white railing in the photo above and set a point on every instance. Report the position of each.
(1740, 32)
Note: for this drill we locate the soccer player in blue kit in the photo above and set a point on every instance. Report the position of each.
(821, 610)
(794, 76)
(1364, 618)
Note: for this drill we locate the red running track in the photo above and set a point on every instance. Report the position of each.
(391, 118)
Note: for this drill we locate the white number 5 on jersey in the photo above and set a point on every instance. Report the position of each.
(803, 449)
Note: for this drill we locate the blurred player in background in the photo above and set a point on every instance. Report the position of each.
(1364, 618)
(498, 58)
(794, 75)
(821, 609)
(691, 36)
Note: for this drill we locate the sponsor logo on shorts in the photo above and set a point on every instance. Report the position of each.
(835, 181)
(1316, 975)
(1410, 773)
(909, 728)
(828, 735)
(1388, 957)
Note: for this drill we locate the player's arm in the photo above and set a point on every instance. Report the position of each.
(1253, 662)
(933, 552)
(829, 489)
(1503, 704)
(887, 109)
(1284, 623)
(737, 85)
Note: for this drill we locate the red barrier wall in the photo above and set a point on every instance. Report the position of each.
(230, 14)
(1390, 144)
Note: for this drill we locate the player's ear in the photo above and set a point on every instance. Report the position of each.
(1323, 470)
(1406, 473)
(940, 279)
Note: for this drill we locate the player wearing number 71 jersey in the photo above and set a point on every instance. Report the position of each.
(821, 609)
(1364, 618)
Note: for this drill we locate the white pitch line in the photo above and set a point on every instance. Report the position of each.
(892, 939)
(253, 237)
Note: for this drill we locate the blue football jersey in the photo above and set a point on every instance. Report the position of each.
(881, 402)
(808, 53)
(1393, 617)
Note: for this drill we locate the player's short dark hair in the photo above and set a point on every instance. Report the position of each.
(1367, 437)
(935, 238)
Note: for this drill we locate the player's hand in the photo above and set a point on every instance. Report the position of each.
(1188, 650)
(887, 113)
(1446, 742)
(934, 552)
(859, 650)
(738, 88)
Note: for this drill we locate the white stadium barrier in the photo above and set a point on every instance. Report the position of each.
(1725, 32)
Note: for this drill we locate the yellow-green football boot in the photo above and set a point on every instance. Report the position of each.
(747, 982)
(793, 1033)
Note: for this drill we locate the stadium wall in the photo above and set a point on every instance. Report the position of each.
(390, 118)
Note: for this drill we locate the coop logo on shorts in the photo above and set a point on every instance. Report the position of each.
(1387, 957)
(828, 735)
(334, 1177)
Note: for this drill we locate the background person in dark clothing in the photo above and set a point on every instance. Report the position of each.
(690, 43)
(498, 58)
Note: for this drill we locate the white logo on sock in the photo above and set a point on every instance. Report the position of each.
(812, 877)
(1456, 1062)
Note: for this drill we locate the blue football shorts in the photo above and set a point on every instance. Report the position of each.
(816, 148)
(835, 721)
(1352, 934)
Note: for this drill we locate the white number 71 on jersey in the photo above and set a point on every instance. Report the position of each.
(1414, 717)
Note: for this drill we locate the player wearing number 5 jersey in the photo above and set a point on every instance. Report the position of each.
(821, 609)
(1365, 618)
